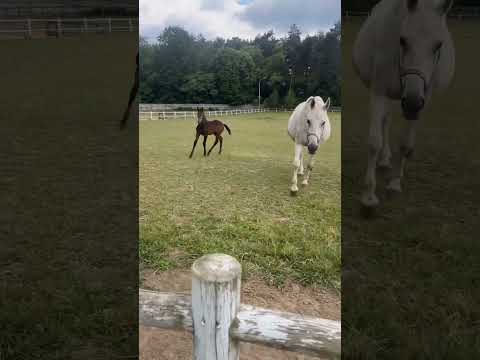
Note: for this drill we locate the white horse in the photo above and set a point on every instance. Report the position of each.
(308, 126)
(402, 53)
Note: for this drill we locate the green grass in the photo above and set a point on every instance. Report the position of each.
(68, 259)
(410, 275)
(239, 203)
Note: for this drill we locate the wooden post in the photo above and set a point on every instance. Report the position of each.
(109, 25)
(215, 303)
(85, 25)
(59, 27)
(130, 25)
(29, 29)
(151, 115)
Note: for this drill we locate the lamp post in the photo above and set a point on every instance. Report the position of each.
(259, 81)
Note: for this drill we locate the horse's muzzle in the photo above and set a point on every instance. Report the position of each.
(312, 148)
(411, 106)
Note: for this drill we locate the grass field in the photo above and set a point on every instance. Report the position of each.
(410, 275)
(239, 202)
(68, 231)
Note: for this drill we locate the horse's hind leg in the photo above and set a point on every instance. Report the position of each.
(296, 166)
(215, 143)
(300, 170)
(194, 144)
(205, 145)
(379, 109)
(309, 171)
(406, 151)
(221, 144)
(385, 157)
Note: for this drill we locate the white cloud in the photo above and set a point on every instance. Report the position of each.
(230, 18)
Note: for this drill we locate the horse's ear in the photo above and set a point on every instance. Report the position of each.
(412, 5)
(445, 6)
(327, 105)
(312, 102)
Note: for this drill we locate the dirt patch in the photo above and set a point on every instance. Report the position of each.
(158, 344)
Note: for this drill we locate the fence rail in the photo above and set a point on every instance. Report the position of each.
(218, 321)
(164, 115)
(39, 28)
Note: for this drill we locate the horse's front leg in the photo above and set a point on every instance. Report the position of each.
(194, 144)
(379, 110)
(296, 166)
(309, 170)
(406, 152)
(205, 145)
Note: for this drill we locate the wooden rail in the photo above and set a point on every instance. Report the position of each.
(29, 28)
(218, 321)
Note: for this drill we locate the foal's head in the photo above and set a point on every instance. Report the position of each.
(201, 115)
(316, 118)
(421, 37)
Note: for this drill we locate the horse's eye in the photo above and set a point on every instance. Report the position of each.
(323, 123)
(403, 42)
(308, 122)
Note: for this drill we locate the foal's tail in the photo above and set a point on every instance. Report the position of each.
(228, 129)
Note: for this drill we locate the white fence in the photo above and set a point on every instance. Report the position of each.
(219, 322)
(57, 27)
(164, 115)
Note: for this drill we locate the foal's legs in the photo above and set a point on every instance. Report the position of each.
(221, 144)
(194, 144)
(215, 143)
(309, 171)
(379, 108)
(204, 145)
(296, 166)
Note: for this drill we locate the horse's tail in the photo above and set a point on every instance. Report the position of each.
(228, 129)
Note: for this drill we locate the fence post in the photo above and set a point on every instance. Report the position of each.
(151, 115)
(130, 25)
(215, 303)
(59, 27)
(109, 25)
(29, 29)
(85, 25)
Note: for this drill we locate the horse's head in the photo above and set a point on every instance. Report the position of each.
(316, 121)
(200, 114)
(421, 37)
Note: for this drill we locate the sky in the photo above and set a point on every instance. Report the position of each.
(237, 18)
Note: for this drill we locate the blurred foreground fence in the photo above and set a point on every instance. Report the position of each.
(27, 28)
(164, 115)
(219, 322)
(459, 12)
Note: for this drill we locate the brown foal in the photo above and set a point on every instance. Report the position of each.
(205, 128)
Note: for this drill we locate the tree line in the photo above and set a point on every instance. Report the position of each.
(180, 67)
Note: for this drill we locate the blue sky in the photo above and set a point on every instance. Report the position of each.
(242, 18)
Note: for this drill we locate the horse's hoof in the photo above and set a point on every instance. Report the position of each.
(394, 186)
(368, 212)
(369, 200)
(304, 183)
(293, 192)
(300, 174)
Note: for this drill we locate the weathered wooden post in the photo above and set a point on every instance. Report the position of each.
(215, 303)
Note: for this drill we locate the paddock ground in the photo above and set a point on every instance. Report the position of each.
(239, 202)
(418, 259)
